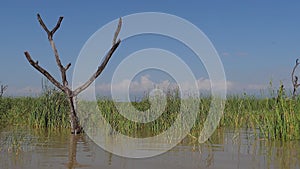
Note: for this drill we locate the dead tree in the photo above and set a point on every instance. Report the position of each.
(2, 89)
(295, 79)
(64, 86)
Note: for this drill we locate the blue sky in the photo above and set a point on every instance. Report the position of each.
(257, 41)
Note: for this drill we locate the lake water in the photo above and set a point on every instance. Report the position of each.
(227, 149)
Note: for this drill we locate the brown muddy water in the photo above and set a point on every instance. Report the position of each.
(227, 149)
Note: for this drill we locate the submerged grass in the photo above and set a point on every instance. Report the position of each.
(276, 117)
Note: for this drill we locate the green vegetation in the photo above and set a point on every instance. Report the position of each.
(48, 110)
(275, 117)
(135, 129)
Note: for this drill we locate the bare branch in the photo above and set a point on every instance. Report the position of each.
(43, 24)
(75, 126)
(2, 89)
(57, 25)
(49, 33)
(117, 31)
(295, 78)
(68, 66)
(43, 71)
(99, 70)
(58, 62)
(104, 62)
(50, 38)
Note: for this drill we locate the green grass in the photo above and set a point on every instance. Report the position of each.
(276, 117)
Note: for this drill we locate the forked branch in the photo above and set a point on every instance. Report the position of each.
(50, 33)
(50, 38)
(295, 78)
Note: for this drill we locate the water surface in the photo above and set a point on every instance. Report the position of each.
(227, 149)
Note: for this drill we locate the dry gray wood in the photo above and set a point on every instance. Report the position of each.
(64, 86)
(295, 78)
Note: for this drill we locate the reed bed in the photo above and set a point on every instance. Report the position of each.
(274, 117)
(49, 110)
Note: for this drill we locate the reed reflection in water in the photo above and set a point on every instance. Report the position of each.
(226, 149)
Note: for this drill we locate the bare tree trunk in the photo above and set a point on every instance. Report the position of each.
(71, 94)
(75, 126)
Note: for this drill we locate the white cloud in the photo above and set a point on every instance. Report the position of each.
(142, 85)
(145, 84)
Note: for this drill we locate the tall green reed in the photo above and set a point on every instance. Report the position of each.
(275, 117)
(49, 110)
